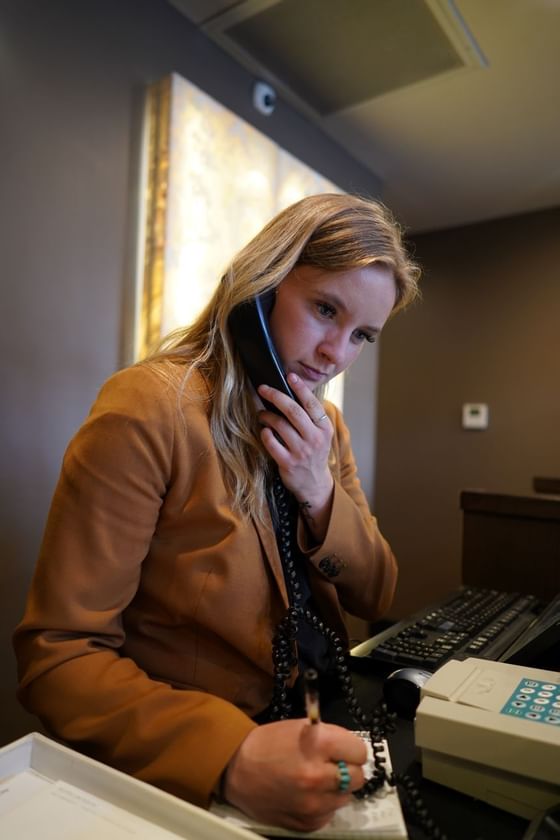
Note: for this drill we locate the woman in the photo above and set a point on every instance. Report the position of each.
(147, 640)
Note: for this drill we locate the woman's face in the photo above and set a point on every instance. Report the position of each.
(322, 319)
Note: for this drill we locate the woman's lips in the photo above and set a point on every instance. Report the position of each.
(312, 374)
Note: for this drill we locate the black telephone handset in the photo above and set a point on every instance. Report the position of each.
(248, 323)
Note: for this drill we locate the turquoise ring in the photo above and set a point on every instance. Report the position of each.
(343, 776)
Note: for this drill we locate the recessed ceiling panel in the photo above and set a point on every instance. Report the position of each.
(334, 54)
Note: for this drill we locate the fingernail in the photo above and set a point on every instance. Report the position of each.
(293, 377)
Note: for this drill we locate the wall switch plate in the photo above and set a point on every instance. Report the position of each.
(475, 416)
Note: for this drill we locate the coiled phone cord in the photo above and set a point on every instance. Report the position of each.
(379, 722)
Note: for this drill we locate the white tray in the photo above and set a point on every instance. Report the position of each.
(59, 764)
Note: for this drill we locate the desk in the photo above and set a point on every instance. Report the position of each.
(459, 816)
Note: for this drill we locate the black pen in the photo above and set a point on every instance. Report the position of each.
(311, 686)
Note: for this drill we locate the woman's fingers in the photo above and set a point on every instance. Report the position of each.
(312, 405)
(299, 441)
(308, 412)
(347, 777)
(289, 773)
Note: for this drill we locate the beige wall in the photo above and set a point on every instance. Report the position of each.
(488, 330)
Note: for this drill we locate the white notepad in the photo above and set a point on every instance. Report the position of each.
(379, 816)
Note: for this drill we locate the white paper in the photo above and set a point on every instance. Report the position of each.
(59, 811)
(20, 788)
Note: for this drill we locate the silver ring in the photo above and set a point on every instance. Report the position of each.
(343, 776)
(320, 419)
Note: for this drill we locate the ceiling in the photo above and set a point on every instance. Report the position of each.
(453, 104)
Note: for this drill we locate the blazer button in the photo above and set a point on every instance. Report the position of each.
(331, 565)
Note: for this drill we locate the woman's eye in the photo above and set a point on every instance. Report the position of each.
(326, 310)
(364, 336)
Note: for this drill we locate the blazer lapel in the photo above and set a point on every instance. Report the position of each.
(267, 539)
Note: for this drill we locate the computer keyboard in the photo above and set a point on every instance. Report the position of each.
(469, 622)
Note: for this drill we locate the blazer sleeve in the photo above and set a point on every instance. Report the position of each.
(72, 674)
(354, 556)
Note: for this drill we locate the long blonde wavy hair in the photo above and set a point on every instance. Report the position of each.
(330, 231)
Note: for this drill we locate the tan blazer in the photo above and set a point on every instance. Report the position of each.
(146, 640)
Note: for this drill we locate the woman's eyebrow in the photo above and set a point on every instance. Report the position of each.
(336, 300)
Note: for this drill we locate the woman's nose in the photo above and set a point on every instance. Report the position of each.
(334, 347)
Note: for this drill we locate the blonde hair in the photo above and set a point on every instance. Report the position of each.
(330, 231)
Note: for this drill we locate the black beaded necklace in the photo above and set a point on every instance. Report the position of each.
(379, 722)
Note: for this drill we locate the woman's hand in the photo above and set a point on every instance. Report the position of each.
(302, 452)
(286, 773)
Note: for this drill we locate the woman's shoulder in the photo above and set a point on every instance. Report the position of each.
(152, 385)
(158, 376)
